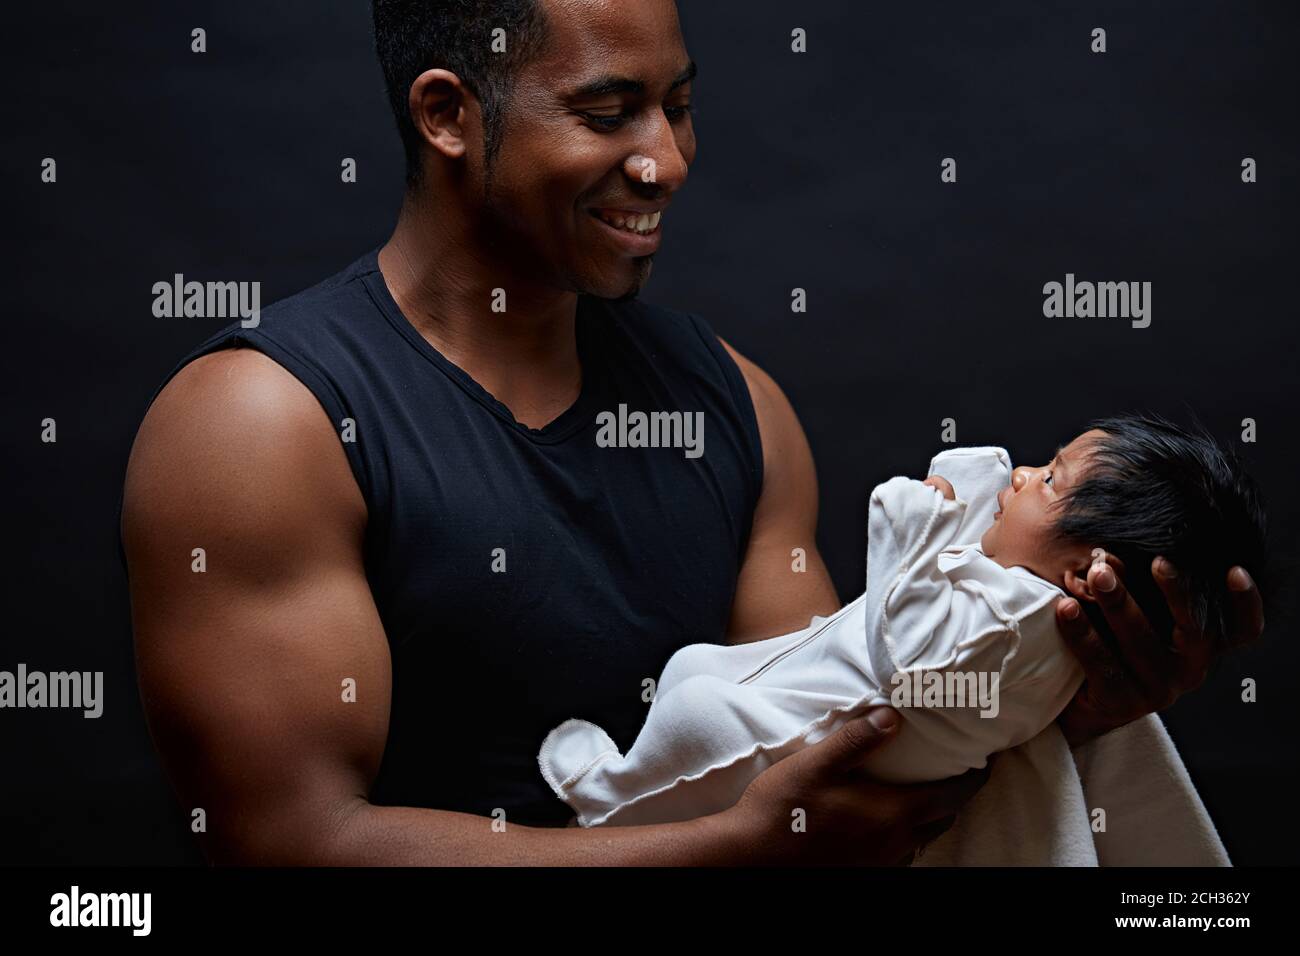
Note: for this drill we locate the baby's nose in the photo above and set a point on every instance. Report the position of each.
(1021, 475)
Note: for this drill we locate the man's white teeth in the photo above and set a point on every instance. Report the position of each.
(645, 223)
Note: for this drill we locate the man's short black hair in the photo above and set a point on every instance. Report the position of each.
(412, 36)
(1154, 488)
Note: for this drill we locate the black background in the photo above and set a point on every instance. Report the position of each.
(818, 171)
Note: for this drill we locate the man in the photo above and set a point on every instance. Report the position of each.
(417, 558)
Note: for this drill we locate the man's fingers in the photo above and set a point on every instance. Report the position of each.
(1166, 577)
(1080, 722)
(1084, 642)
(1192, 648)
(845, 749)
(929, 832)
(1140, 651)
(928, 802)
(1247, 607)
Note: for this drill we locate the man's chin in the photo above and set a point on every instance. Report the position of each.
(625, 289)
(629, 295)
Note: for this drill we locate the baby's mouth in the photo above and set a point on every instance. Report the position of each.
(1001, 501)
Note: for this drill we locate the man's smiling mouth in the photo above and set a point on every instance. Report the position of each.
(629, 220)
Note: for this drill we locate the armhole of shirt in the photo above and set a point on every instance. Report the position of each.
(740, 397)
(311, 379)
(320, 387)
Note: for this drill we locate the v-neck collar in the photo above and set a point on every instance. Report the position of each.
(567, 423)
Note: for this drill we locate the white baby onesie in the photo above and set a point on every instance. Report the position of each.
(937, 616)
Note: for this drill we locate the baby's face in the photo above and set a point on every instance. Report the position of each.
(1021, 534)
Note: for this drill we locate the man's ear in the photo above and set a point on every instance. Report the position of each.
(438, 103)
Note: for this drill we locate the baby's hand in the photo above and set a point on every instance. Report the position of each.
(943, 485)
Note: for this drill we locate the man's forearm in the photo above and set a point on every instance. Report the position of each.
(408, 836)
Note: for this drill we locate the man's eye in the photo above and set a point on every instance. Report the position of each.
(1048, 479)
(674, 113)
(605, 123)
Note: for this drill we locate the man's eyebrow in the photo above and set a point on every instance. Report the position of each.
(685, 76)
(607, 85)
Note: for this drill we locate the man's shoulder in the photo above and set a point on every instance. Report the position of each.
(336, 296)
(266, 366)
(229, 426)
(236, 381)
(237, 403)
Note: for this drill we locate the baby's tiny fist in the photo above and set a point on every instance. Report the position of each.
(943, 486)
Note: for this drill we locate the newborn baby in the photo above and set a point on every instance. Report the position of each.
(956, 628)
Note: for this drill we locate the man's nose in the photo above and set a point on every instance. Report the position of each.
(659, 159)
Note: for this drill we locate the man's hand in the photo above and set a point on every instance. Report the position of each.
(1142, 674)
(848, 818)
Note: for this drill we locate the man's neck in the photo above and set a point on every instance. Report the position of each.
(525, 356)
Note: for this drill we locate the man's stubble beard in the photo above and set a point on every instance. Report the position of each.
(643, 267)
(575, 283)
(644, 264)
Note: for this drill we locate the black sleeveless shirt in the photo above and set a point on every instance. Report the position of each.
(613, 557)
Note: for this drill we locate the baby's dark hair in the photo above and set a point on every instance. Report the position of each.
(1154, 488)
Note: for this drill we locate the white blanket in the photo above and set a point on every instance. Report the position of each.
(1124, 799)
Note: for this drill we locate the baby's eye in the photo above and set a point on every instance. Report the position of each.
(1048, 479)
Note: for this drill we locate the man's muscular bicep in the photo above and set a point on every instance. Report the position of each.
(263, 665)
(783, 581)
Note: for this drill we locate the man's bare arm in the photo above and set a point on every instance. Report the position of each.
(242, 666)
(771, 596)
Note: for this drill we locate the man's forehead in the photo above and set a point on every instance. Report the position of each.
(592, 39)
